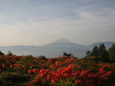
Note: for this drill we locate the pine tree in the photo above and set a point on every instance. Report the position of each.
(103, 54)
(66, 54)
(95, 52)
(9, 53)
(88, 54)
(111, 52)
(1, 53)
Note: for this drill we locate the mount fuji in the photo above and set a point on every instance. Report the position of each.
(53, 49)
(62, 42)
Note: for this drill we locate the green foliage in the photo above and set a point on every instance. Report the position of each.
(12, 79)
(103, 54)
(26, 60)
(88, 54)
(1, 53)
(111, 52)
(9, 53)
(95, 51)
(66, 54)
(88, 59)
(69, 82)
(42, 58)
(59, 71)
(99, 53)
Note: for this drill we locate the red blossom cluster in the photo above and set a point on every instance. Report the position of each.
(52, 71)
(60, 70)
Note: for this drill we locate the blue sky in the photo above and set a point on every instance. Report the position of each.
(38, 22)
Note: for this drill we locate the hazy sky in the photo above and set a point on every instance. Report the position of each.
(38, 22)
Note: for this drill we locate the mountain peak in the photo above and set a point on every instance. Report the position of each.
(61, 40)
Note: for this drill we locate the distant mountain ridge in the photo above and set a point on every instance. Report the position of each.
(54, 49)
(107, 44)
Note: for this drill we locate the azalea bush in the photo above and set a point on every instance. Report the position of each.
(59, 71)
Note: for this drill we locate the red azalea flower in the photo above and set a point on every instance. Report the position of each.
(35, 70)
(52, 81)
(3, 66)
(78, 81)
(30, 71)
(29, 85)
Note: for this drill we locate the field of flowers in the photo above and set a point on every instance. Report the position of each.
(58, 71)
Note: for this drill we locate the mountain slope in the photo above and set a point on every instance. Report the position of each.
(107, 44)
(62, 42)
(53, 49)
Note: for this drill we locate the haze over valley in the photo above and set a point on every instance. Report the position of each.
(54, 49)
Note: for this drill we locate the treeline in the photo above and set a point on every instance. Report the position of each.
(100, 53)
(9, 53)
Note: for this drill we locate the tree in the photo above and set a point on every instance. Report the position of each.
(42, 58)
(9, 53)
(88, 53)
(95, 53)
(103, 54)
(66, 54)
(1, 53)
(111, 52)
